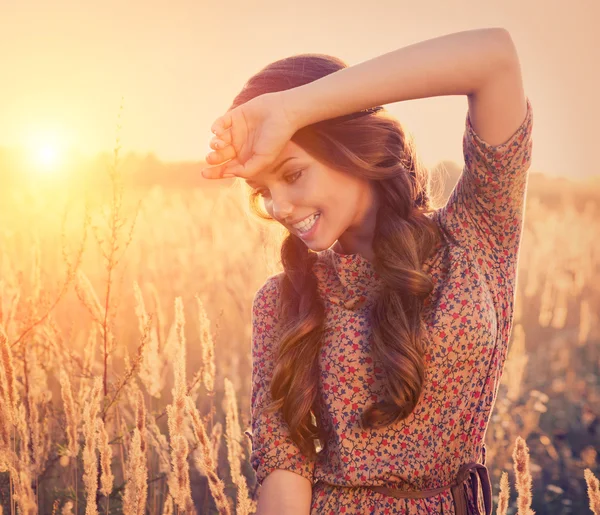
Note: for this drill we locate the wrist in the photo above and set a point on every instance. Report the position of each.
(296, 112)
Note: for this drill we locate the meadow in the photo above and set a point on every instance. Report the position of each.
(125, 368)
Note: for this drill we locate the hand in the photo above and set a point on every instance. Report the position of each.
(250, 137)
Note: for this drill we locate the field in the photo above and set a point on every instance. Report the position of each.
(125, 339)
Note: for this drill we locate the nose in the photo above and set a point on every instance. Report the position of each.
(282, 209)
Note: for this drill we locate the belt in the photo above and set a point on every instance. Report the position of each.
(469, 470)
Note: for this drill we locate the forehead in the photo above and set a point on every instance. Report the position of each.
(290, 152)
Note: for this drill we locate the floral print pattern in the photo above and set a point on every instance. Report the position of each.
(469, 320)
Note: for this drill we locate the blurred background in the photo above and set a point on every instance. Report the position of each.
(105, 121)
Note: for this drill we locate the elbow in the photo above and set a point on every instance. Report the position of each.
(506, 48)
(284, 492)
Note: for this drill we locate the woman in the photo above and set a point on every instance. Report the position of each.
(384, 339)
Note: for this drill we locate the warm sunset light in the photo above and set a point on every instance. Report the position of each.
(46, 150)
(48, 157)
(338, 255)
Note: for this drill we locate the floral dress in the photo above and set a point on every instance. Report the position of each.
(469, 319)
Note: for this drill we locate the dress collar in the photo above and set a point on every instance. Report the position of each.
(350, 280)
(346, 279)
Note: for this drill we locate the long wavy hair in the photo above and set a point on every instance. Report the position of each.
(371, 146)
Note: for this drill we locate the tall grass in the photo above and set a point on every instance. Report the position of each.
(125, 371)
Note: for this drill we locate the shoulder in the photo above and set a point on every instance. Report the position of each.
(267, 296)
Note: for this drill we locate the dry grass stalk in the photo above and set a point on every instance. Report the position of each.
(67, 509)
(107, 478)
(194, 384)
(593, 490)
(8, 385)
(4, 459)
(12, 308)
(523, 477)
(179, 481)
(207, 349)
(206, 464)
(136, 488)
(179, 386)
(89, 297)
(232, 429)
(151, 362)
(10, 461)
(160, 444)
(504, 495)
(24, 496)
(71, 414)
(125, 436)
(38, 399)
(130, 368)
(140, 418)
(19, 466)
(6, 425)
(23, 432)
(90, 463)
(235, 453)
(168, 506)
(215, 438)
(89, 350)
(171, 346)
(158, 310)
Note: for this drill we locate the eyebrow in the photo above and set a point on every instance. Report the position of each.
(274, 171)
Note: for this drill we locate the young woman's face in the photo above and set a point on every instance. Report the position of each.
(297, 187)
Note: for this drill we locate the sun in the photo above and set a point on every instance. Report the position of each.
(46, 149)
(47, 157)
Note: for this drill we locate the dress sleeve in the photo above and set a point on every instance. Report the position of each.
(485, 211)
(272, 447)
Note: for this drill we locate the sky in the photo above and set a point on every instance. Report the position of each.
(176, 66)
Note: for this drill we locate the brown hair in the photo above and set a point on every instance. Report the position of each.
(372, 147)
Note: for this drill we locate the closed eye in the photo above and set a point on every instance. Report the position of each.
(294, 176)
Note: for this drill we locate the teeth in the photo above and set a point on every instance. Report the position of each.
(307, 224)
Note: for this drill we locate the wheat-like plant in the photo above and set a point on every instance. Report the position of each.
(206, 463)
(136, 488)
(235, 453)
(593, 491)
(504, 495)
(90, 462)
(151, 362)
(207, 349)
(71, 415)
(523, 477)
(106, 478)
(179, 481)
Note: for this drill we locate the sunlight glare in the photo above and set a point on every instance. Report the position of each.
(47, 157)
(46, 150)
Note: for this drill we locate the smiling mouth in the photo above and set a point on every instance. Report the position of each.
(307, 233)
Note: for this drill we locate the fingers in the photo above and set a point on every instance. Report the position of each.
(221, 124)
(221, 141)
(218, 156)
(217, 172)
(224, 152)
(249, 168)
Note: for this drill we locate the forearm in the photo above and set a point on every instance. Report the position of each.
(453, 64)
(284, 493)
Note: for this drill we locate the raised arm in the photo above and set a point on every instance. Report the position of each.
(454, 64)
(485, 210)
